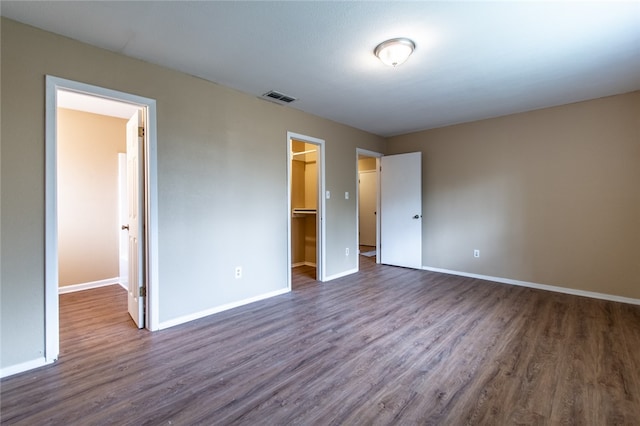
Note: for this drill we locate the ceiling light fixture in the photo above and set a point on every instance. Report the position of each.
(395, 51)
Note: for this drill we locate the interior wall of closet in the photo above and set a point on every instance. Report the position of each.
(304, 202)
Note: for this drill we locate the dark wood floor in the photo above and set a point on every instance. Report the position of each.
(385, 346)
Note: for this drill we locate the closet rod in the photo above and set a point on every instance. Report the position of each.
(302, 152)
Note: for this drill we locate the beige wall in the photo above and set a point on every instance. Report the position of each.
(311, 202)
(88, 228)
(366, 163)
(298, 222)
(549, 196)
(222, 162)
(297, 184)
(311, 184)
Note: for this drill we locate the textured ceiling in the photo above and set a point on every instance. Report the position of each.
(473, 60)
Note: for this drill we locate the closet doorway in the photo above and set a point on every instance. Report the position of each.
(306, 205)
(368, 203)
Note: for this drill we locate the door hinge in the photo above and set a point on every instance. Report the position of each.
(141, 132)
(142, 292)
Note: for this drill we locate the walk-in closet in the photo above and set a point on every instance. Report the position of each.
(304, 203)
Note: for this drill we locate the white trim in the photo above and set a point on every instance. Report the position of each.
(24, 366)
(51, 309)
(218, 309)
(368, 153)
(289, 172)
(342, 274)
(89, 285)
(153, 255)
(565, 290)
(52, 85)
(321, 211)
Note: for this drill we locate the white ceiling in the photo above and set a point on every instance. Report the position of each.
(95, 105)
(473, 60)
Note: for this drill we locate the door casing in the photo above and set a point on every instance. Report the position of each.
(320, 214)
(53, 85)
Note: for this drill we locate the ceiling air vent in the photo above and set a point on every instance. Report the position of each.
(272, 95)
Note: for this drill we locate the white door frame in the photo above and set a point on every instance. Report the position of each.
(377, 156)
(52, 322)
(320, 213)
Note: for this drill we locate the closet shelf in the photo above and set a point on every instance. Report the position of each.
(298, 212)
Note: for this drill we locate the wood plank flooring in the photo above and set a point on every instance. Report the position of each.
(384, 346)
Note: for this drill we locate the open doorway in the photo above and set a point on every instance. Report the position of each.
(368, 203)
(306, 206)
(398, 213)
(94, 241)
(97, 154)
(145, 189)
(91, 191)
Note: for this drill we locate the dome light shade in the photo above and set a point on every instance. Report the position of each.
(395, 51)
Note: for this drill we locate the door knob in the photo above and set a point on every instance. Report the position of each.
(417, 216)
(125, 227)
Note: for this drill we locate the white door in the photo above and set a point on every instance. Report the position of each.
(367, 192)
(401, 210)
(135, 144)
(123, 220)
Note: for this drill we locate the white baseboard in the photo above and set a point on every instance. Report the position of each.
(565, 290)
(87, 286)
(124, 282)
(207, 312)
(341, 274)
(22, 367)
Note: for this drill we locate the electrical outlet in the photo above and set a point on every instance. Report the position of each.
(238, 272)
(346, 195)
(476, 253)
(346, 251)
